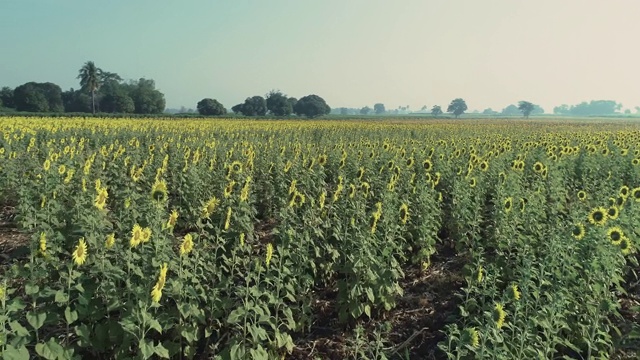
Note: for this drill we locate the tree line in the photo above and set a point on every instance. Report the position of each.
(275, 103)
(100, 91)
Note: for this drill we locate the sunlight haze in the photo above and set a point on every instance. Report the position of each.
(353, 53)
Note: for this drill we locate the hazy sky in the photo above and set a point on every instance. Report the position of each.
(351, 52)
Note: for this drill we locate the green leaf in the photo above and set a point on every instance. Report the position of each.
(31, 289)
(61, 297)
(370, 295)
(50, 350)
(36, 320)
(146, 348)
(235, 316)
(70, 315)
(155, 325)
(17, 328)
(367, 310)
(11, 353)
(83, 332)
(162, 351)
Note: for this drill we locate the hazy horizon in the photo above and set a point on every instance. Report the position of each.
(491, 53)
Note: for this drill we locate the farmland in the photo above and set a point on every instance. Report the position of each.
(247, 239)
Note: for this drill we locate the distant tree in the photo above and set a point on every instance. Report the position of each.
(237, 109)
(344, 111)
(90, 79)
(424, 108)
(537, 110)
(379, 108)
(457, 107)
(596, 107)
(510, 110)
(489, 111)
(627, 111)
(637, 109)
(210, 107)
(311, 106)
(76, 101)
(38, 97)
(365, 110)
(561, 110)
(254, 106)
(6, 95)
(278, 104)
(436, 110)
(293, 102)
(146, 98)
(117, 103)
(526, 108)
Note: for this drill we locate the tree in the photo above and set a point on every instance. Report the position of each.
(379, 108)
(146, 98)
(254, 106)
(6, 96)
(424, 108)
(210, 107)
(561, 110)
(278, 104)
(76, 101)
(526, 108)
(436, 110)
(489, 111)
(237, 109)
(457, 107)
(637, 109)
(90, 79)
(311, 106)
(38, 97)
(293, 102)
(537, 110)
(117, 103)
(510, 110)
(344, 111)
(365, 110)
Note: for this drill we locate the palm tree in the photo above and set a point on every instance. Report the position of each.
(90, 79)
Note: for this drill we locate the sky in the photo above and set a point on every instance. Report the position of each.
(353, 53)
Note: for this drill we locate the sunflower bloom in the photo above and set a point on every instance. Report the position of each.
(146, 235)
(43, 244)
(499, 315)
(598, 216)
(159, 191)
(111, 240)
(227, 221)
(210, 207)
(136, 236)
(269, 254)
(615, 235)
(156, 292)
(404, 213)
(578, 231)
(173, 218)
(514, 293)
(471, 337)
(80, 253)
(187, 245)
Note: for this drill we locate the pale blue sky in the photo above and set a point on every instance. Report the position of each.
(351, 52)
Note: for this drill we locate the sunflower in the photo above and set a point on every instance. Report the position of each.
(43, 244)
(582, 196)
(187, 245)
(228, 190)
(514, 293)
(612, 212)
(111, 240)
(635, 161)
(612, 202)
(470, 337)
(427, 165)
(410, 162)
(236, 167)
(210, 207)
(502, 177)
(523, 204)
(173, 218)
(322, 199)
(146, 235)
(322, 160)
(136, 236)
(635, 194)
(508, 204)
(101, 198)
(484, 165)
(62, 169)
(159, 191)
(598, 216)
(480, 274)
(47, 165)
(538, 167)
(625, 245)
(624, 191)
(499, 315)
(404, 213)
(365, 187)
(227, 221)
(80, 253)
(578, 231)
(352, 191)
(269, 254)
(472, 182)
(615, 235)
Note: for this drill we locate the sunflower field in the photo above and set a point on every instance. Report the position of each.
(243, 239)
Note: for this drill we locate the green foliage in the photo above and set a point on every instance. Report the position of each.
(210, 107)
(379, 108)
(311, 106)
(457, 107)
(278, 104)
(38, 97)
(526, 108)
(436, 110)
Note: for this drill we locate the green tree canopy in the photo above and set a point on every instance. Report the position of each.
(311, 106)
(436, 110)
(278, 104)
(210, 107)
(457, 107)
(526, 108)
(379, 108)
(38, 97)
